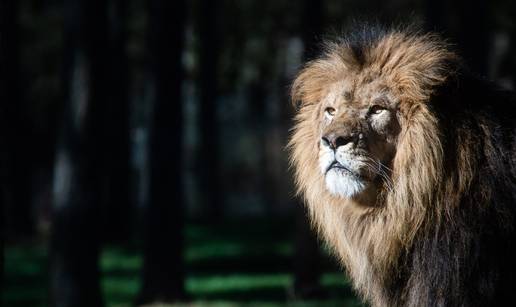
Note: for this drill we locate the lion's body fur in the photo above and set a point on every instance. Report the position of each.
(442, 234)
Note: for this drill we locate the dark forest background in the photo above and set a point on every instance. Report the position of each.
(142, 145)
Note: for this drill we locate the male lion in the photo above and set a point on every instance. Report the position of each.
(408, 168)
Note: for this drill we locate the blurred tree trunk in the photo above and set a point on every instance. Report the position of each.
(163, 270)
(75, 238)
(118, 206)
(257, 99)
(307, 254)
(507, 67)
(9, 95)
(17, 125)
(209, 161)
(11, 182)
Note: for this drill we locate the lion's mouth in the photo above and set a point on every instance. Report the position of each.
(335, 165)
(338, 167)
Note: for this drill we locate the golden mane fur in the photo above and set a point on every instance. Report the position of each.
(370, 240)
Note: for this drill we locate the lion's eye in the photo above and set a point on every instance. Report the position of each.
(376, 109)
(330, 111)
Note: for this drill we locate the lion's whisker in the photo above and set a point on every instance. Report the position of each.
(379, 168)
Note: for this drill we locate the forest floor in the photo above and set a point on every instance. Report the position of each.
(228, 264)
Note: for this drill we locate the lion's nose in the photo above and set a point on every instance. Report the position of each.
(335, 140)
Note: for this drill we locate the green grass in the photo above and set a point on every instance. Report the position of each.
(226, 266)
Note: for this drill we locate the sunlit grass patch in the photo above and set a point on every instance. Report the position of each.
(25, 272)
(236, 282)
(226, 266)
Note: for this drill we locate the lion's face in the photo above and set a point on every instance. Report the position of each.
(358, 127)
(364, 125)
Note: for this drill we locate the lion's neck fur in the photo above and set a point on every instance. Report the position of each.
(371, 240)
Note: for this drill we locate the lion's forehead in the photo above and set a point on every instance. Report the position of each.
(358, 92)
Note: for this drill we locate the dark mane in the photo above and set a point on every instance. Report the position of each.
(361, 36)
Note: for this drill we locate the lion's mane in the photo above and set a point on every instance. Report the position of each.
(441, 234)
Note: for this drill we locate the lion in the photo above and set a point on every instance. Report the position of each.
(407, 164)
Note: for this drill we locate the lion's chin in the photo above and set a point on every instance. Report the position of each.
(344, 184)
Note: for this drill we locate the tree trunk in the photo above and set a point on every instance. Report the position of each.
(307, 259)
(118, 206)
(209, 133)
(17, 125)
(258, 109)
(9, 92)
(163, 271)
(75, 238)
(10, 96)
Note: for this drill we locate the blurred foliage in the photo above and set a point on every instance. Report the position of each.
(228, 265)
